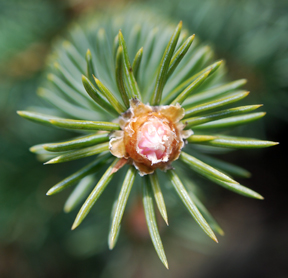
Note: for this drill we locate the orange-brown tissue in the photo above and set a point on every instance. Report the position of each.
(151, 136)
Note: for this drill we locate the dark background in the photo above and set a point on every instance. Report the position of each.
(35, 236)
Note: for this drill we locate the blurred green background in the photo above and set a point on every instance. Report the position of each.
(35, 236)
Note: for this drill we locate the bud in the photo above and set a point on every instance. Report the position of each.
(151, 137)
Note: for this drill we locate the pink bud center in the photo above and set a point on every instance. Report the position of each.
(154, 140)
